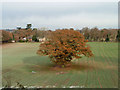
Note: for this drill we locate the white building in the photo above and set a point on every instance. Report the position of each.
(42, 39)
(25, 38)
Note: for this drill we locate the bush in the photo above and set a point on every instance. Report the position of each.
(22, 41)
(34, 38)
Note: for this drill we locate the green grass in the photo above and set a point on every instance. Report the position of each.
(100, 71)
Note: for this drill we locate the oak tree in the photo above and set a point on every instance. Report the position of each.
(65, 45)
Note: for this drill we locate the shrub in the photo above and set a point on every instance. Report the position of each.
(34, 38)
(21, 41)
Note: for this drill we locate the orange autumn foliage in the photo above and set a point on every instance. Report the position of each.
(6, 36)
(64, 45)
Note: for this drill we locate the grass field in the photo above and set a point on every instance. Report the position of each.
(22, 64)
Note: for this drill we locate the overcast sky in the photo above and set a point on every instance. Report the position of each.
(54, 15)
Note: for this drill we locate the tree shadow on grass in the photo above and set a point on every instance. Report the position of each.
(36, 60)
(82, 66)
(43, 63)
(38, 63)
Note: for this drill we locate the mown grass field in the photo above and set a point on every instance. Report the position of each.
(22, 64)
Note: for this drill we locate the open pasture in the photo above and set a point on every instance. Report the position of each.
(20, 63)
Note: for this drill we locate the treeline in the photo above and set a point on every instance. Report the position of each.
(29, 35)
(23, 35)
(5, 36)
(101, 35)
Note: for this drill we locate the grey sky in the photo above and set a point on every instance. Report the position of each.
(55, 15)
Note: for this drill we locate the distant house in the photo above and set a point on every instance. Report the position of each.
(13, 41)
(103, 39)
(41, 39)
(30, 38)
(24, 38)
